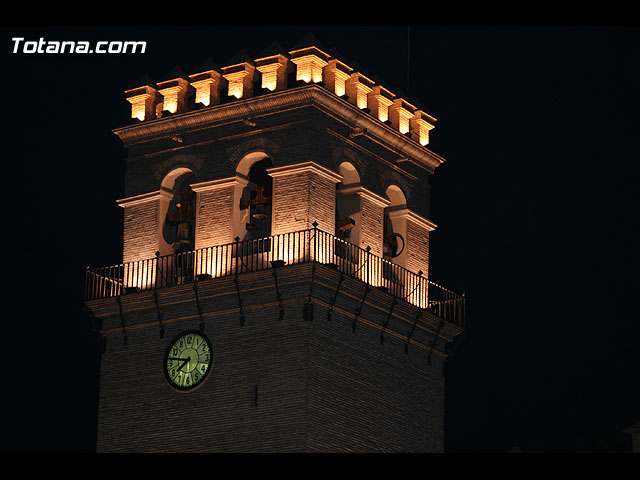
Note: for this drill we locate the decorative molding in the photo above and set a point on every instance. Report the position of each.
(294, 98)
(253, 144)
(219, 183)
(413, 217)
(304, 167)
(365, 193)
(144, 198)
(180, 159)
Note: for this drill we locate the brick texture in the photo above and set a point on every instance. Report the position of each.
(301, 198)
(140, 231)
(322, 385)
(417, 257)
(214, 221)
(372, 226)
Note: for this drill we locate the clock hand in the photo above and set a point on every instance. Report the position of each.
(186, 360)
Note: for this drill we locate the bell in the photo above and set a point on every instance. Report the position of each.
(183, 237)
(260, 212)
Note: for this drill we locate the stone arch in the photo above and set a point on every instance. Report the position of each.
(396, 196)
(349, 172)
(245, 163)
(348, 206)
(395, 228)
(166, 169)
(243, 155)
(171, 178)
(253, 214)
(176, 211)
(342, 154)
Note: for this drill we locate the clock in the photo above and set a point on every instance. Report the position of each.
(188, 360)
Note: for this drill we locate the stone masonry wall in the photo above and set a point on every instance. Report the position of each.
(325, 384)
(140, 231)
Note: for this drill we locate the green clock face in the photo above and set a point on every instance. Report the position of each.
(188, 360)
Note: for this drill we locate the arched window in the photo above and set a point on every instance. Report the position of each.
(394, 230)
(177, 212)
(347, 204)
(260, 200)
(256, 197)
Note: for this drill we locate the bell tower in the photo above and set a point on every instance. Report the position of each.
(274, 293)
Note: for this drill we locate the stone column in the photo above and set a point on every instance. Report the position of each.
(415, 231)
(217, 217)
(303, 194)
(141, 237)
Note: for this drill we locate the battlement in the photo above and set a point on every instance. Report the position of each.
(273, 71)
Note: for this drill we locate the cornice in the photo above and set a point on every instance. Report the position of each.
(144, 198)
(304, 167)
(413, 217)
(366, 193)
(219, 183)
(290, 99)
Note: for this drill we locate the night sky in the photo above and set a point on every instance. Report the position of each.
(536, 207)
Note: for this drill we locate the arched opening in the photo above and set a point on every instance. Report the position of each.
(349, 174)
(394, 226)
(347, 212)
(177, 220)
(177, 212)
(256, 198)
(347, 204)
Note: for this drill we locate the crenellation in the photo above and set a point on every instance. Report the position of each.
(274, 70)
(358, 88)
(400, 113)
(207, 81)
(335, 76)
(379, 101)
(241, 80)
(174, 89)
(143, 100)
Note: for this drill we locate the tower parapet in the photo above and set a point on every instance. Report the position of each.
(271, 72)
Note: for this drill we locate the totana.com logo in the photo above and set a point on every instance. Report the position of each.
(20, 45)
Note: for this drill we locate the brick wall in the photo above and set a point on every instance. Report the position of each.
(303, 195)
(417, 257)
(214, 217)
(140, 230)
(321, 385)
(372, 223)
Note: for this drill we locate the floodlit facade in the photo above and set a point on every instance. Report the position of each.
(276, 212)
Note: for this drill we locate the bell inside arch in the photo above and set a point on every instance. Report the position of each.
(184, 237)
(260, 212)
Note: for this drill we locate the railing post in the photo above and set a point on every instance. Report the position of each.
(368, 260)
(155, 281)
(315, 241)
(86, 281)
(237, 239)
(463, 319)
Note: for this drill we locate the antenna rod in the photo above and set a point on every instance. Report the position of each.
(408, 58)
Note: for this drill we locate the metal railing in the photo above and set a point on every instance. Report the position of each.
(260, 254)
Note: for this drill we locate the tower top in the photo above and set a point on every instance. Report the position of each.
(243, 78)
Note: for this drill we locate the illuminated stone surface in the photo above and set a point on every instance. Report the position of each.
(331, 145)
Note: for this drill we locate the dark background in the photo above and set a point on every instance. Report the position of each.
(536, 209)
